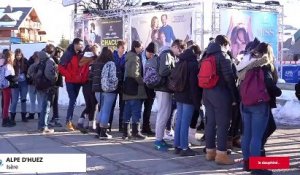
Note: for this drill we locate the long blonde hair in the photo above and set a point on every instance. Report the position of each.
(266, 50)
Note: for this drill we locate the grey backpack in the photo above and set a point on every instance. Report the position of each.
(109, 80)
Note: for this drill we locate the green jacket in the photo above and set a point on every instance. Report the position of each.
(134, 68)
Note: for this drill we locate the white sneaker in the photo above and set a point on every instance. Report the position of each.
(46, 130)
(169, 135)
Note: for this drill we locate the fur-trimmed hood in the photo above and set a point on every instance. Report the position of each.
(259, 62)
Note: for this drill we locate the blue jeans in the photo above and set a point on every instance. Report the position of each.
(34, 107)
(255, 120)
(45, 109)
(105, 100)
(133, 108)
(73, 91)
(21, 91)
(183, 121)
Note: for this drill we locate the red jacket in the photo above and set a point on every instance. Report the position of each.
(74, 73)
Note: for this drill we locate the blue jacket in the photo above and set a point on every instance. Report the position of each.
(120, 65)
(169, 33)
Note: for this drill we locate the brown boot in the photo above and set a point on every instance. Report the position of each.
(223, 159)
(210, 154)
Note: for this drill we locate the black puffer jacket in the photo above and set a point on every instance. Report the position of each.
(273, 90)
(191, 94)
(96, 71)
(224, 70)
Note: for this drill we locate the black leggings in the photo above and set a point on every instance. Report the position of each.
(90, 101)
(54, 103)
(148, 103)
(236, 122)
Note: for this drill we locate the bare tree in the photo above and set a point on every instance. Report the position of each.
(98, 5)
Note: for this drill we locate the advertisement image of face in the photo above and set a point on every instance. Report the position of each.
(242, 26)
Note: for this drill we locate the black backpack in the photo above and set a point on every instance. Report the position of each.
(40, 81)
(178, 77)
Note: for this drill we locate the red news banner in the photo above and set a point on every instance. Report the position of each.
(269, 163)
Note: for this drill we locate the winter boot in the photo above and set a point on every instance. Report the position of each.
(147, 131)
(103, 134)
(12, 118)
(6, 123)
(210, 154)
(30, 116)
(80, 122)
(126, 131)
(24, 119)
(97, 130)
(136, 133)
(223, 159)
(192, 137)
(187, 152)
(246, 166)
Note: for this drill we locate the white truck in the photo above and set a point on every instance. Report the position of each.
(28, 48)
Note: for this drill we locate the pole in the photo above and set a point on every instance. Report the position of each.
(75, 9)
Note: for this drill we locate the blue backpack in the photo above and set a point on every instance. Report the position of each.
(4, 83)
(151, 78)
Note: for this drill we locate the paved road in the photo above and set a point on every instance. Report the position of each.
(136, 157)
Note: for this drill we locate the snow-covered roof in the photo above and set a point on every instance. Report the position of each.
(14, 18)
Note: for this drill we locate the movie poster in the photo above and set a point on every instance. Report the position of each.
(243, 26)
(105, 32)
(162, 28)
(111, 31)
(78, 29)
(91, 32)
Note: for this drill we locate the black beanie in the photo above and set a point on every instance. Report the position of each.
(152, 48)
(252, 45)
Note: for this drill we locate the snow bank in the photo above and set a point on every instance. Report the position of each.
(287, 95)
(289, 114)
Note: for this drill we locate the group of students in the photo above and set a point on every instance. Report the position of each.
(139, 76)
(18, 77)
(178, 74)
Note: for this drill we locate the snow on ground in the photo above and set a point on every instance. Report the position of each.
(289, 113)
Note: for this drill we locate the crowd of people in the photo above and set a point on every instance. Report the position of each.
(181, 77)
